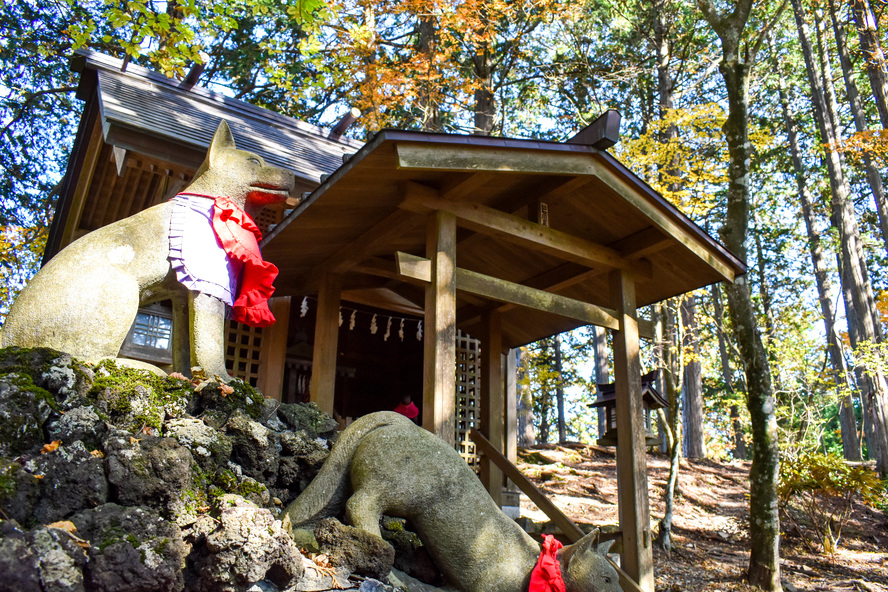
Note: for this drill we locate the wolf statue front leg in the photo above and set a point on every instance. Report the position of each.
(206, 321)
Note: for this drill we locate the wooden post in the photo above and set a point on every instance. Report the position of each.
(637, 559)
(326, 343)
(439, 368)
(492, 401)
(273, 355)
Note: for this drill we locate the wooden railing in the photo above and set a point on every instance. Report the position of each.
(565, 524)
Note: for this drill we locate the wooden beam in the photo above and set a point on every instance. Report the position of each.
(517, 230)
(492, 401)
(273, 356)
(362, 247)
(664, 222)
(84, 180)
(632, 486)
(564, 524)
(468, 158)
(642, 243)
(439, 359)
(326, 344)
(492, 288)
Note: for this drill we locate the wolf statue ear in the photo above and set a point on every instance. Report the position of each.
(581, 545)
(604, 547)
(221, 139)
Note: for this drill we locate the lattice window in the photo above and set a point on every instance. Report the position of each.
(468, 396)
(242, 352)
(150, 336)
(269, 216)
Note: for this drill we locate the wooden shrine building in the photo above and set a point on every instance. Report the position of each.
(506, 240)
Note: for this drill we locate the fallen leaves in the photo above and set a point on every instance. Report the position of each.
(51, 447)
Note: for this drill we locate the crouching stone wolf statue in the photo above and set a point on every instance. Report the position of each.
(200, 246)
(393, 467)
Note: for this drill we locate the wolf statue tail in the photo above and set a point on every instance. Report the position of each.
(327, 493)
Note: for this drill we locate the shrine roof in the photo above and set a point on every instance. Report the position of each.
(158, 116)
(601, 216)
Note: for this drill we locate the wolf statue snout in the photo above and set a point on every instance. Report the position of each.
(200, 248)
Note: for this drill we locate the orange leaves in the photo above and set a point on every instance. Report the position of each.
(407, 61)
(51, 447)
(872, 143)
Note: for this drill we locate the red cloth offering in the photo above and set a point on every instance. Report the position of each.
(546, 574)
(239, 236)
(409, 411)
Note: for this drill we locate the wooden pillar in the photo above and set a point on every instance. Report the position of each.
(637, 560)
(326, 343)
(492, 399)
(273, 355)
(439, 367)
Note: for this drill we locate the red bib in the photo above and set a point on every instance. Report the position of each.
(546, 574)
(239, 237)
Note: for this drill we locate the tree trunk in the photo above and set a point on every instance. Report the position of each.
(872, 171)
(671, 361)
(695, 446)
(876, 67)
(855, 277)
(428, 104)
(847, 420)
(764, 527)
(526, 435)
(559, 392)
(602, 372)
(738, 440)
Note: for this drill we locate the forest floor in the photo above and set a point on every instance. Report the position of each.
(710, 532)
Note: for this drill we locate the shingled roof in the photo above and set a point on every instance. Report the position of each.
(138, 100)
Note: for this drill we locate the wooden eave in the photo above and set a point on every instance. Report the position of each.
(601, 217)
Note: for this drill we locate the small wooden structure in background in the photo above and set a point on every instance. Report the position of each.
(452, 224)
(650, 400)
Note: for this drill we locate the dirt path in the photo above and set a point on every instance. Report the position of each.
(711, 541)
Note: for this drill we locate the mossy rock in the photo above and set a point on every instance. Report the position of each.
(24, 408)
(308, 418)
(66, 378)
(231, 397)
(133, 399)
(19, 492)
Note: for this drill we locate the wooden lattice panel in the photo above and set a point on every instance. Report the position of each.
(468, 396)
(242, 352)
(269, 216)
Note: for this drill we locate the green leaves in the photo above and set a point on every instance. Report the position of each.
(823, 488)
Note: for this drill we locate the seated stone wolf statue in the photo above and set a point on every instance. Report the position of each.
(84, 300)
(393, 467)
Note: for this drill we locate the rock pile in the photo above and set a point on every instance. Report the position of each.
(114, 480)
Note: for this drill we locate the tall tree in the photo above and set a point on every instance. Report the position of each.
(873, 176)
(695, 444)
(848, 422)
(860, 305)
(876, 66)
(738, 57)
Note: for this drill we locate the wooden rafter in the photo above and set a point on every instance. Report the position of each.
(484, 220)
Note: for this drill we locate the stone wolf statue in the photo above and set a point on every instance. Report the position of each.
(84, 300)
(393, 467)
